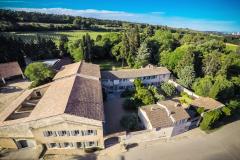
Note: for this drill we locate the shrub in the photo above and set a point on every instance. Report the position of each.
(130, 122)
(155, 93)
(200, 110)
(234, 104)
(39, 73)
(226, 111)
(185, 99)
(145, 96)
(168, 88)
(209, 119)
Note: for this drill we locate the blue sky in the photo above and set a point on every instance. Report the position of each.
(214, 15)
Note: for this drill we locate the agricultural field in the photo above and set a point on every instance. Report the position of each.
(54, 35)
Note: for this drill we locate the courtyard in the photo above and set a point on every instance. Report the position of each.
(114, 111)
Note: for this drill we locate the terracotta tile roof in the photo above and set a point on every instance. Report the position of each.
(86, 99)
(9, 69)
(89, 69)
(207, 103)
(75, 95)
(55, 99)
(83, 68)
(158, 116)
(15, 104)
(175, 109)
(133, 73)
(67, 70)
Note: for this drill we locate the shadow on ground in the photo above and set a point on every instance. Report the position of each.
(90, 156)
(9, 89)
(228, 119)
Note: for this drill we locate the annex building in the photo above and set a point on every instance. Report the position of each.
(66, 114)
(117, 81)
(166, 118)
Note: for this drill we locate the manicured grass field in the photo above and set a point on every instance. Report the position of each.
(55, 35)
(232, 47)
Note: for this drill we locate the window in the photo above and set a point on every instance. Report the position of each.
(52, 145)
(89, 132)
(91, 144)
(75, 133)
(66, 144)
(153, 77)
(63, 133)
(80, 145)
(104, 81)
(38, 94)
(47, 133)
(121, 87)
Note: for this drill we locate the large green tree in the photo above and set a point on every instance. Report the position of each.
(142, 58)
(203, 86)
(209, 119)
(39, 73)
(168, 88)
(211, 63)
(222, 89)
(186, 76)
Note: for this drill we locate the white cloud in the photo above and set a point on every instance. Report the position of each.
(152, 18)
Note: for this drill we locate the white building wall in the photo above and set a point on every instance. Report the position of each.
(119, 85)
(144, 119)
(180, 127)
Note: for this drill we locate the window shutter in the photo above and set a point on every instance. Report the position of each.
(44, 134)
(68, 133)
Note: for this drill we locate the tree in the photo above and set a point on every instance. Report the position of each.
(142, 57)
(234, 104)
(39, 73)
(137, 83)
(63, 45)
(129, 122)
(222, 89)
(149, 31)
(145, 96)
(226, 111)
(168, 88)
(200, 110)
(211, 64)
(171, 59)
(166, 40)
(155, 93)
(130, 104)
(186, 76)
(87, 47)
(209, 119)
(76, 51)
(203, 86)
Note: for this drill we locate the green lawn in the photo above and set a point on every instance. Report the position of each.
(55, 35)
(232, 47)
(110, 65)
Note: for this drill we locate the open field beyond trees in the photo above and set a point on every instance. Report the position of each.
(54, 35)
